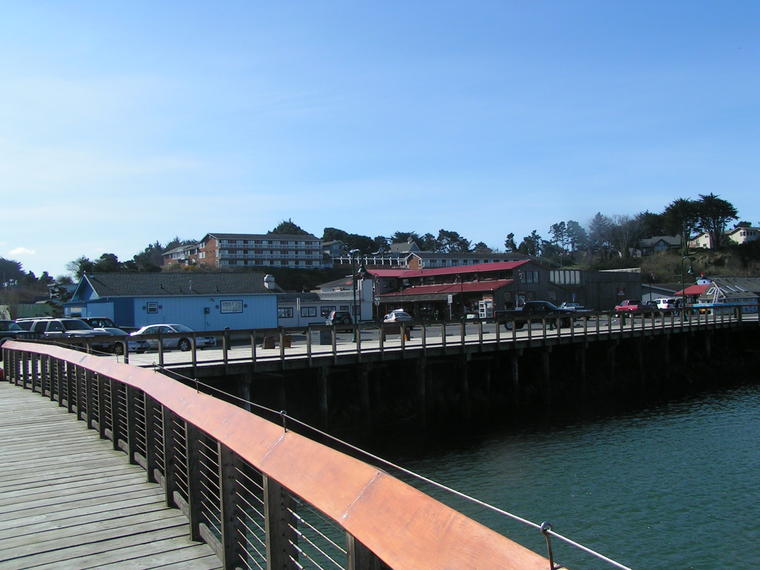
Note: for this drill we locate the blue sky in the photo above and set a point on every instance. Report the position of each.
(126, 123)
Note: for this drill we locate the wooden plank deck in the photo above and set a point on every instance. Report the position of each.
(68, 500)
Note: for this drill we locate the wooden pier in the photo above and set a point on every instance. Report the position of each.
(84, 508)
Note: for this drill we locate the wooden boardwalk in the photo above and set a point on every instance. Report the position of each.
(68, 500)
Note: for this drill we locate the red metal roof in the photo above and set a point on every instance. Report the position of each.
(469, 287)
(692, 290)
(478, 268)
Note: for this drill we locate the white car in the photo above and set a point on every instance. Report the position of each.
(133, 344)
(397, 316)
(176, 340)
(666, 304)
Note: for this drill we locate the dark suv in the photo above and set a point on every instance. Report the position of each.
(66, 328)
(9, 329)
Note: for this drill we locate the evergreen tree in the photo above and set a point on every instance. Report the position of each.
(714, 213)
(288, 227)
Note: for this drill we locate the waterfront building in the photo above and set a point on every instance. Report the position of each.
(202, 301)
(234, 251)
(481, 289)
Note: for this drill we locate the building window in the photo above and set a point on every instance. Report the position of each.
(284, 312)
(529, 277)
(308, 311)
(565, 277)
(231, 306)
(151, 308)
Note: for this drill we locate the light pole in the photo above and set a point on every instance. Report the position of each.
(684, 258)
(353, 253)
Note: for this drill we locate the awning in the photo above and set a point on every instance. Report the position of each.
(390, 300)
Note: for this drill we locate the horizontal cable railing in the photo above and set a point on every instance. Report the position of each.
(262, 496)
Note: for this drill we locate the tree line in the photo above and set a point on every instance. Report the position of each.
(604, 240)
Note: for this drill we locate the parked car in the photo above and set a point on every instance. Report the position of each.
(397, 316)
(11, 329)
(634, 307)
(70, 329)
(666, 304)
(133, 344)
(339, 318)
(537, 310)
(572, 306)
(27, 322)
(99, 322)
(177, 340)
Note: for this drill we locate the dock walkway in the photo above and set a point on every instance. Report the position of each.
(68, 500)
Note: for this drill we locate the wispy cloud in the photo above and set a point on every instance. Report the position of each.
(22, 251)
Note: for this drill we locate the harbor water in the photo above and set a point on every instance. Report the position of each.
(671, 485)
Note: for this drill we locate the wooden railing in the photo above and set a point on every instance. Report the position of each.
(260, 495)
(322, 341)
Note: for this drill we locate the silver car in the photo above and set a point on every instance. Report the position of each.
(175, 341)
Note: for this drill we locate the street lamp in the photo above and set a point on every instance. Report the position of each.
(690, 271)
(353, 253)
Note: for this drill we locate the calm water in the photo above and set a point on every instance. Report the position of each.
(671, 486)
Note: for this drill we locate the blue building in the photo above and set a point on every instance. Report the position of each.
(202, 301)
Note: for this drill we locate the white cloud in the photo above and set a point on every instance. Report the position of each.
(22, 251)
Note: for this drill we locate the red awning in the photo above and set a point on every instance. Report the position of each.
(454, 270)
(450, 288)
(692, 290)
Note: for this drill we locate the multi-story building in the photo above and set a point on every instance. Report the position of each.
(180, 255)
(260, 250)
(743, 233)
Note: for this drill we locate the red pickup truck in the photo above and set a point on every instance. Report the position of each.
(634, 306)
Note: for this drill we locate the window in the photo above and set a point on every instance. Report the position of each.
(325, 310)
(528, 277)
(231, 306)
(565, 277)
(284, 312)
(308, 311)
(151, 308)
(344, 307)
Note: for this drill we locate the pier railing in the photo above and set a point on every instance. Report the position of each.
(262, 496)
(323, 341)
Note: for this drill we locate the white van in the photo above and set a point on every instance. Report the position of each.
(666, 304)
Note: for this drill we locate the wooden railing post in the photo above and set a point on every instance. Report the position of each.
(360, 557)
(193, 470)
(89, 379)
(101, 407)
(25, 357)
(170, 456)
(131, 424)
(194, 353)
(35, 372)
(228, 473)
(151, 439)
(308, 343)
(279, 535)
(78, 374)
(113, 392)
(60, 373)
